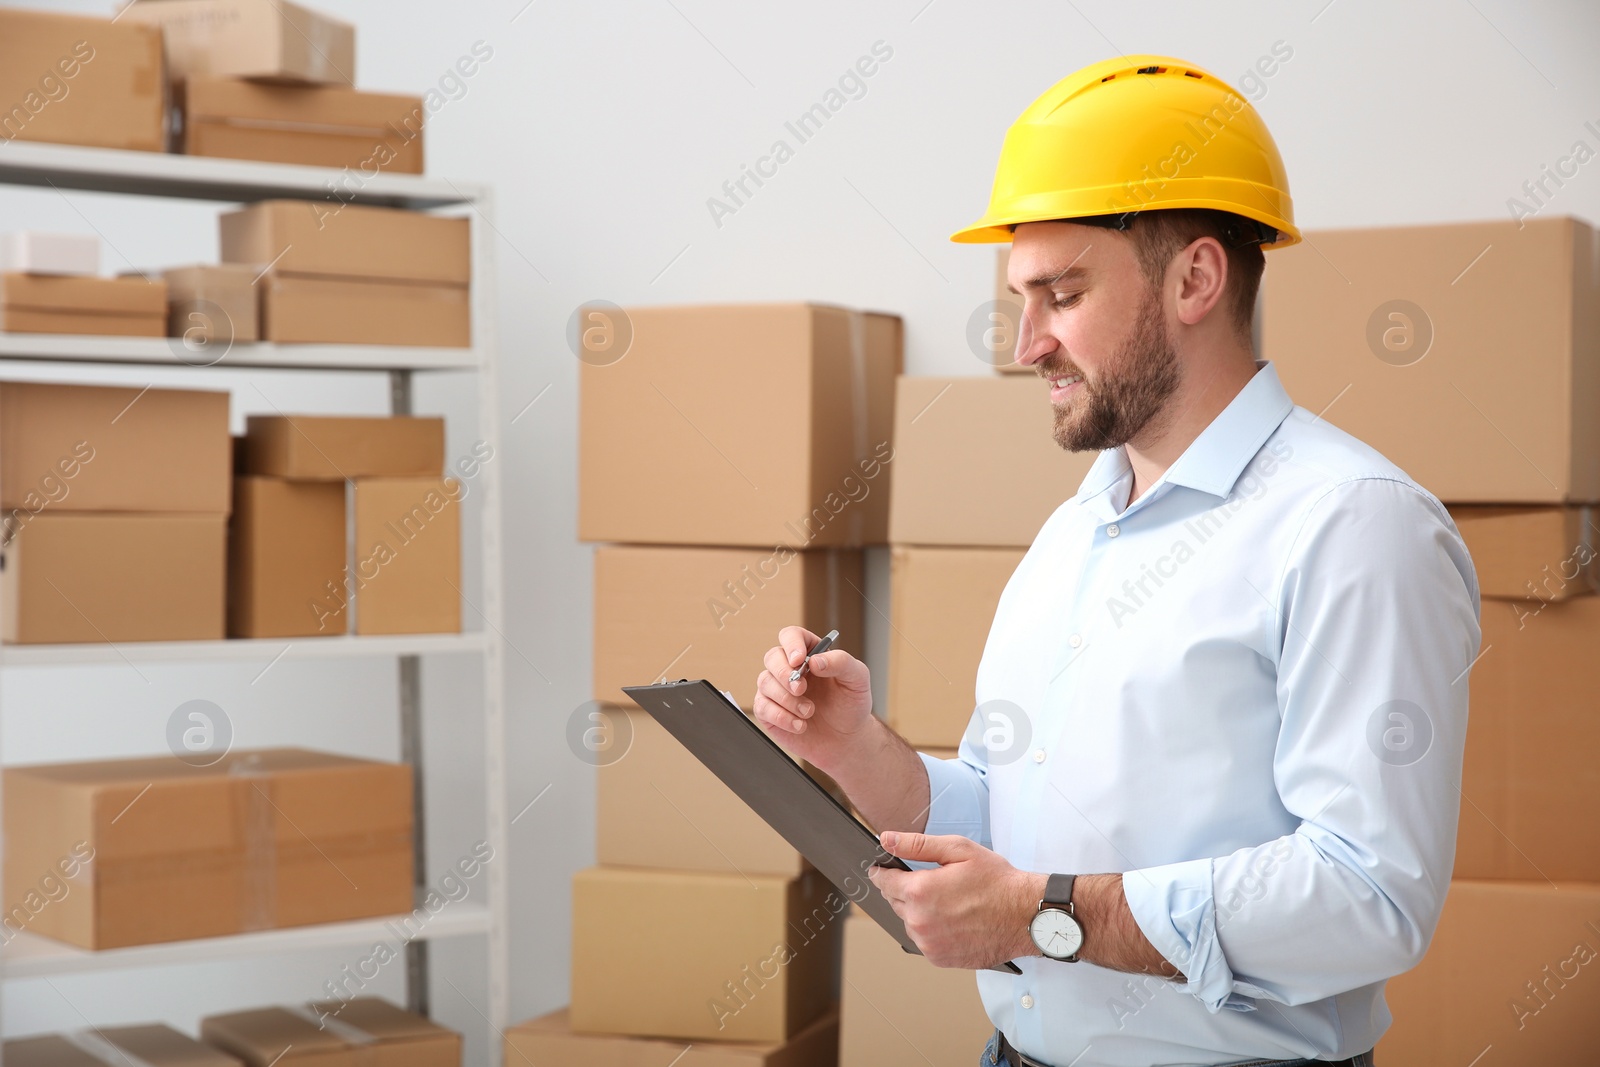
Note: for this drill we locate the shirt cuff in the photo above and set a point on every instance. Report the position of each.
(959, 799)
(1175, 907)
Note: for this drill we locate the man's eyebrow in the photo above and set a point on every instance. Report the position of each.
(1068, 274)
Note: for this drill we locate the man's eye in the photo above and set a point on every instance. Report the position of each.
(1065, 300)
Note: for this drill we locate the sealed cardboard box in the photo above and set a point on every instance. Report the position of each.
(1004, 318)
(72, 79)
(166, 850)
(1401, 335)
(45, 303)
(316, 126)
(304, 309)
(366, 1031)
(1531, 553)
(549, 1039)
(941, 601)
(33, 252)
(407, 567)
(658, 806)
(213, 303)
(975, 462)
(111, 448)
(286, 549)
(899, 1008)
(1530, 786)
(338, 447)
(1508, 970)
(155, 1044)
(681, 612)
(82, 577)
(756, 425)
(349, 241)
(751, 957)
(265, 39)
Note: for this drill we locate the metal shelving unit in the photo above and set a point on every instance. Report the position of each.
(192, 178)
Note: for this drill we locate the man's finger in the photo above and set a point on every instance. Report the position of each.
(890, 882)
(935, 848)
(796, 642)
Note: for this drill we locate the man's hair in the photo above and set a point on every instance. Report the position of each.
(1158, 235)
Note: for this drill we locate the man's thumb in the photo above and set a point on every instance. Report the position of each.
(929, 849)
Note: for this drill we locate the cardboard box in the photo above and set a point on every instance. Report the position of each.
(302, 309)
(286, 550)
(1530, 786)
(407, 567)
(750, 957)
(1531, 553)
(85, 578)
(167, 851)
(941, 602)
(658, 806)
(1402, 335)
(213, 303)
(339, 447)
(351, 241)
(1003, 330)
(72, 79)
(155, 1044)
(1509, 969)
(899, 1008)
(757, 425)
(318, 126)
(32, 252)
(43, 303)
(267, 39)
(975, 462)
(549, 1039)
(111, 448)
(319, 1034)
(679, 612)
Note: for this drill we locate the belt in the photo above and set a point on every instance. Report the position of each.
(1006, 1056)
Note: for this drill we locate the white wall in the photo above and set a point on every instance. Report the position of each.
(606, 127)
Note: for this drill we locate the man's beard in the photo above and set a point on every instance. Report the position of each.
(1118, 404)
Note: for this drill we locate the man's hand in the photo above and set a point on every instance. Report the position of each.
(824, 718)
(972, 911)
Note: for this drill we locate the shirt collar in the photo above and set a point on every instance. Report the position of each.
(1215, 459)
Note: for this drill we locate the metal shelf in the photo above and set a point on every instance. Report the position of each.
(110, 170)
(265, 650)
(31, 956)
(170, 352)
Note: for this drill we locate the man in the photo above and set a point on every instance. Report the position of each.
(1206, 802)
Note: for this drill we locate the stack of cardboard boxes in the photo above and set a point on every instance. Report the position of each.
(1470, 356)
(50, 283)
(292, 570)
(115, 504)
(735, 460)
(348, 1034)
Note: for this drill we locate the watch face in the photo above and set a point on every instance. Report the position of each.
(1056, 933)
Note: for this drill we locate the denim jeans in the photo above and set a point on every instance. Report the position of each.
(990, 1050)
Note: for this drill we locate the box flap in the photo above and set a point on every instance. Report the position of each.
(57, 292)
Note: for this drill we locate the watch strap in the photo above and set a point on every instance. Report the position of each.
(1058, 892)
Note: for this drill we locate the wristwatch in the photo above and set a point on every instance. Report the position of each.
(1055, 929)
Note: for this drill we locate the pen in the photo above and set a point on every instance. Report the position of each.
(817, 649)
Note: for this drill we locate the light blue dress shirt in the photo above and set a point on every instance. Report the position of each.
(1247, 692)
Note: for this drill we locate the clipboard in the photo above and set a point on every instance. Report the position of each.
(737, 750)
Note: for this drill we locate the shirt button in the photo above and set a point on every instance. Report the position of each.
(1112, 530)
(1038, 755)
(1076, 640)
(1027, 1000)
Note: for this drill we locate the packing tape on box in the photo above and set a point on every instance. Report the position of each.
(258, 902)
(327, 1022)
(95, 1045)
(858, 411)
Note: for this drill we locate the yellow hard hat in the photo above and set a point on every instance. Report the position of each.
(1138, 133)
